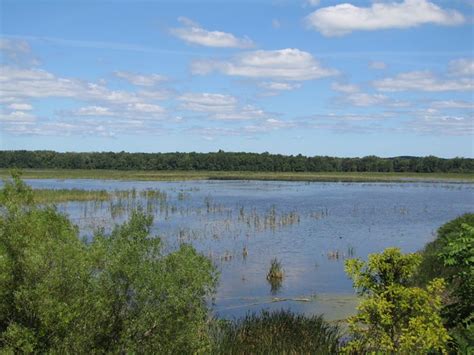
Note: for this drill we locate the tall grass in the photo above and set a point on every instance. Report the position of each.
(67, 195)
(280, 332)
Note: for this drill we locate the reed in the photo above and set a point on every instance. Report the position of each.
(69, 195)
(280, 332)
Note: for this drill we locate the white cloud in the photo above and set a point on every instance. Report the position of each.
(207, 102)
(247, 112)
(276, 23)
(345, 88)
(461, 67)
(354, 96)
(140, 107)
(17, 51)
(432, 122)
(20, 106)
(140, 79)
(423, 81)
(94, 111)
(377, 65)
(17, 84)
(16, 117)
(195, 34)
(279, 86)
(283, 64)
(452, 104)
(220, 107)
(344, 18)
(363, 99)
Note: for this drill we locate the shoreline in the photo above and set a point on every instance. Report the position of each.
(183, 175)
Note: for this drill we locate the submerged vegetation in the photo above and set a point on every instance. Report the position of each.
(125, 291)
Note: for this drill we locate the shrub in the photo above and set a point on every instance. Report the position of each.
(118, 294)
(432, 265)
(394, 316)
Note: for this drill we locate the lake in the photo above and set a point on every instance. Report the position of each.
(310, 227)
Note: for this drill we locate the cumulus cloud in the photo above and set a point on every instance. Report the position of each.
(17, 52)
(207, 102)
(423, 81)
(438, 123)
(345, 88)
(140, 79)
(283, 64)
(93, 111)
(20, 106)
(452, 104)
(345, 18)
(220, 107)
(355, 97)
(461, 67)
(193, 33)
(279, 86)
(18, 84)
(250, 131)
(16, 117)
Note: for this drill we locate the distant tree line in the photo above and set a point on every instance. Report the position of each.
(228, 161)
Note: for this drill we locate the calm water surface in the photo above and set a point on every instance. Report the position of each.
(310, 227)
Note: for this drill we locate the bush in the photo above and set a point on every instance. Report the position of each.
(432, 265)
(451, 256)
(117, 294)
(392, 315)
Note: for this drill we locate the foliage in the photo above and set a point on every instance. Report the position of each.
(228, 161)
(393, 316)
(281, 332)
(451, 256)
(432, 264)
(118, 294)
(458, 258)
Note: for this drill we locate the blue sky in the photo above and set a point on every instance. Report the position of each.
(343, 78)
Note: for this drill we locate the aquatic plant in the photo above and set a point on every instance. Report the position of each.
(276, 271)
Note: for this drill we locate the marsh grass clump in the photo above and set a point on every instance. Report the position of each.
(280, 332)
(275, 273)
(69, 195)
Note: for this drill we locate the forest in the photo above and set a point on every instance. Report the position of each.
(229, 161)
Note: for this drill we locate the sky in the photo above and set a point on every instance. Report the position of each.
(316, 77)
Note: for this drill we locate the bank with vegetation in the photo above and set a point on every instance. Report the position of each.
(229, 161)
(120, 293)
(180, 175)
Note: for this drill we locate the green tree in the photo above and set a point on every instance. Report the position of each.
(119, 293)
(393, 316)
(458, 258)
